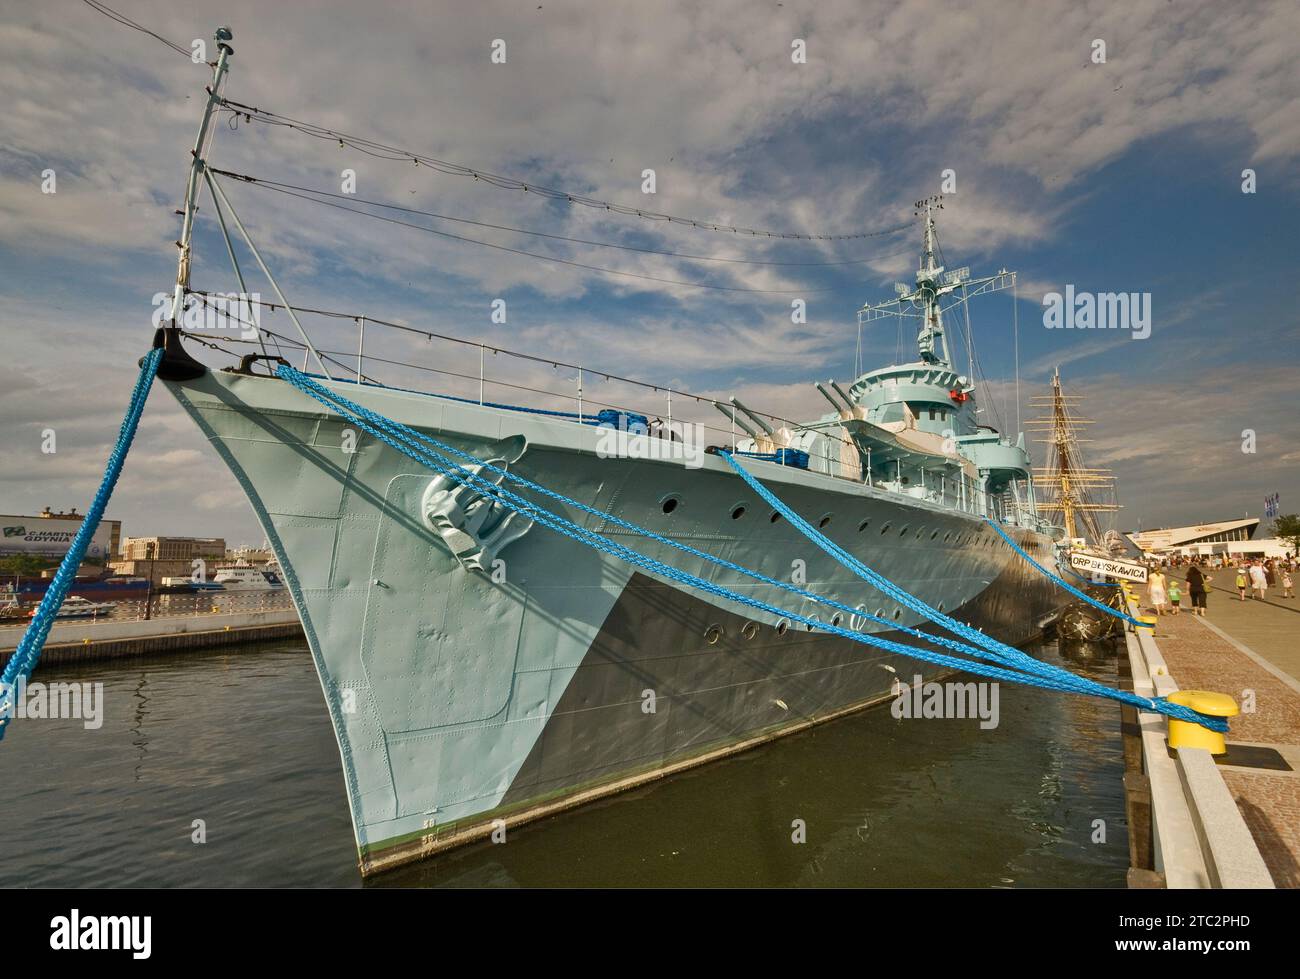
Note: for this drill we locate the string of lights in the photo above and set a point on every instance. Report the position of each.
(537, 255)
(374, 148)
(545, 234)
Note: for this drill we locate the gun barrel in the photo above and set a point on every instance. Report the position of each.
(730, 412)
(754, 418)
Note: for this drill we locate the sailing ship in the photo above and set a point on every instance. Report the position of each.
(482, 670)
(1079, 493)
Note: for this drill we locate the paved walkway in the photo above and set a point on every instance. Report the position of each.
(1237, 648)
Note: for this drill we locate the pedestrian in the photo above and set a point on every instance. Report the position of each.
(1175, 596)
(1241, 581)
(1156, 591)
(1198, 585)
(1258, 581)
(1287, 591)
(1269, 573)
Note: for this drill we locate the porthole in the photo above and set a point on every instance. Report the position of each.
(836, 619)
(935, 534)
(903, 532)
(774, 517)
(782, 626)
(749, 630)
(668, 504)
(941, 606)
(712, 634)
(879, 612)
(919, 532)
(737, 512)
(826, 518)
(897, 613)
(811, 624)
(864, 525)
(884, 529)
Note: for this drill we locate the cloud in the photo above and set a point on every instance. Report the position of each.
(705, 94)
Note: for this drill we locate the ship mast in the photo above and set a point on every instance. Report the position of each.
(932, 285)
(932, 342)
(1069, 483)
(197, 163)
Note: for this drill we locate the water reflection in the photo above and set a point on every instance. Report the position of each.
(240, 739)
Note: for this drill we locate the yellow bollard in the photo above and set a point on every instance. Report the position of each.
(1148, 622)
(1186, 734)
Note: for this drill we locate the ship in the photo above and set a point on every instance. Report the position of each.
(29, 589)
(245, 577)
(481, 670)
(75, 607)
(1081, 495)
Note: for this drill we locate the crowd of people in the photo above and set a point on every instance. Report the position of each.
(1255, 576)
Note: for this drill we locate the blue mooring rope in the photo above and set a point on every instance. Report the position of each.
(404, 440)
(24, 658)
(1019, 659)
(1066, 585)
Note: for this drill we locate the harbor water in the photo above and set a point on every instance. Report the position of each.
(234, 747)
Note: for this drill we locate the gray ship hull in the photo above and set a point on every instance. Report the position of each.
(479, 675)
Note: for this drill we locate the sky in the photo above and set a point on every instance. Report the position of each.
(1126, 174)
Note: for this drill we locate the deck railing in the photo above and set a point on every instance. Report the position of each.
(676, 414)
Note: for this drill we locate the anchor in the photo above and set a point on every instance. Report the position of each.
(475, 527)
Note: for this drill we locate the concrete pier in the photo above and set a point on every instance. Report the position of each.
(1187, 826)
(79, 641)
(1248, 650)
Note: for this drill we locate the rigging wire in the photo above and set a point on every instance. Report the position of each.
(1015, 330)
(125, 21)
(538, 255)
(275, 184)
(978, 370)
(387, 152)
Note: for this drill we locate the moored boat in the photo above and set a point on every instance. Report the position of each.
(485, 660)
(76, 607)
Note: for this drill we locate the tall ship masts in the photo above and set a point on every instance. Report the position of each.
(1073, 489)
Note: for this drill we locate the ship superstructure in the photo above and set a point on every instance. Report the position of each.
(913, 428)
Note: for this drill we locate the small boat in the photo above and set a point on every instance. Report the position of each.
(186, 586)
(76, 607)
(13, 612)
(241, 577)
